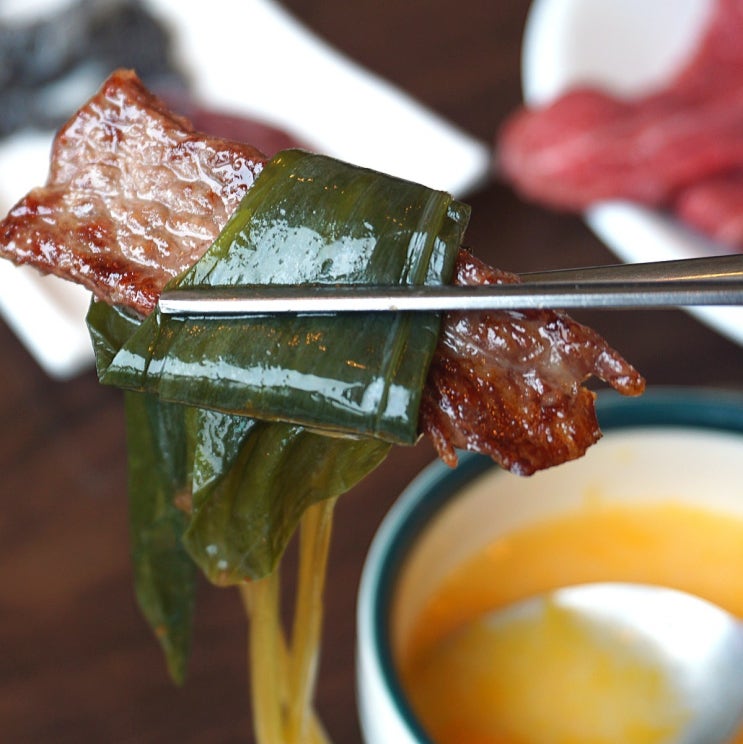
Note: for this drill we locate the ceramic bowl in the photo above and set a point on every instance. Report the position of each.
(685, 445)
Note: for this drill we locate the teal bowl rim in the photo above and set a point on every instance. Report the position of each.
(426, 494)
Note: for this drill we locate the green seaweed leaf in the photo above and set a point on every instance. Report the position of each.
(232, 424)
(164, 574)
(309, 219)
(245, 511)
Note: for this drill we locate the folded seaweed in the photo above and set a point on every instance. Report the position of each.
(233, 424)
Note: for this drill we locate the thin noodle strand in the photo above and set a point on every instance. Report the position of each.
(265, 675)
(315, 534)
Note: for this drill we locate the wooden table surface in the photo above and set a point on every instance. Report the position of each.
(77, 663)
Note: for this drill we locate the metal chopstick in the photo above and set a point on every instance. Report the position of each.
(691, 282)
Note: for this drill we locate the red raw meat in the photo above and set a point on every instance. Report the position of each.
(715, 208)
(589, 146)
(717, 61)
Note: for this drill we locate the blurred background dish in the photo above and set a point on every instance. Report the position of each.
(629, 48)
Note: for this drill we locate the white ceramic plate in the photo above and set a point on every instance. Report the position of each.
(627, 47)
(314, 93)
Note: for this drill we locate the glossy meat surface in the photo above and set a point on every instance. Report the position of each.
(509, 384)
(134, 197)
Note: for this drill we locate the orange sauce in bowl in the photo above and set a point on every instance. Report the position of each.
(505, 687)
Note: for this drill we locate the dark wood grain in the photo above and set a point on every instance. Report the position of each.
(77, 663)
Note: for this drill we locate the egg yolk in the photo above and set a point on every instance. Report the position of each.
(548, 679)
